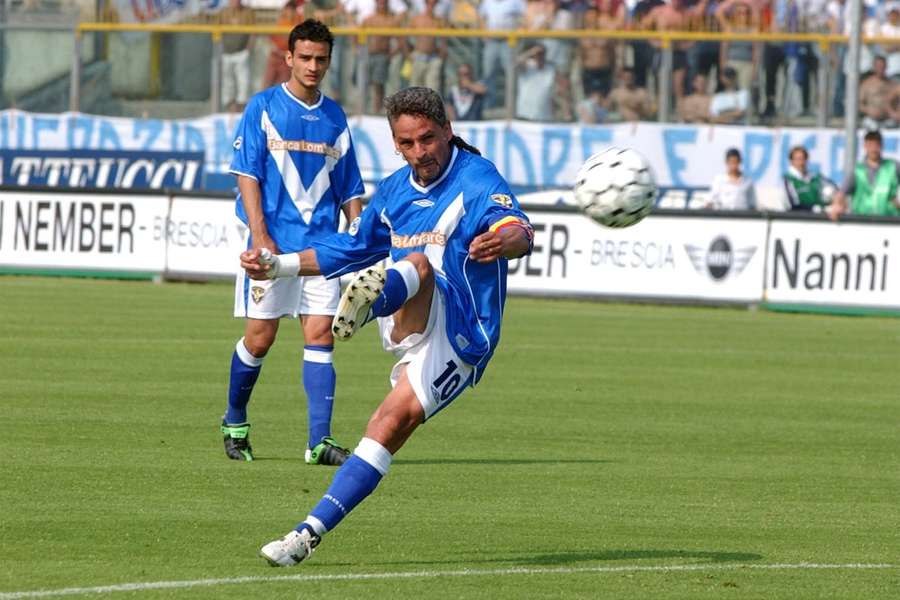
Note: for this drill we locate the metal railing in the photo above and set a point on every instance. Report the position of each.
(665, 41)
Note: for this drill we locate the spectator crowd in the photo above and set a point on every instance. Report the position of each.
(596, 79)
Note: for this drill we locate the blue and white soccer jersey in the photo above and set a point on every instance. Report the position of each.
(303, 159)
(439, 220)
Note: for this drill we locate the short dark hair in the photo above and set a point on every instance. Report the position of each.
(796, 149)
(733, 153)
(416, 101)
(729, 73)
(873, 136)
(313, 31)
(422, 102)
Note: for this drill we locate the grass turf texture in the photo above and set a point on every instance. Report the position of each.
(601, 436)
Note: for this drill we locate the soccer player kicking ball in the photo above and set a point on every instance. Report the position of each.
(449, 222)
(296, 169)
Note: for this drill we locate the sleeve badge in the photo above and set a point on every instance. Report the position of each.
(503, 200)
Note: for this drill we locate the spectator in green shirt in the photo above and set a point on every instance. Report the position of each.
(806, 191)
(872, 186)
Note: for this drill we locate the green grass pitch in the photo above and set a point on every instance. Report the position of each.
(755, 454)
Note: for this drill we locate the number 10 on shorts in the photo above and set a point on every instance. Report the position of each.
(447, 383)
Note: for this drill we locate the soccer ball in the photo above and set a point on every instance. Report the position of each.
(615, 187)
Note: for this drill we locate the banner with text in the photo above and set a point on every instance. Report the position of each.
(849, 264)
(204, 238)
(102, 169)
(83, 231)
(660, 257)
(527, 154)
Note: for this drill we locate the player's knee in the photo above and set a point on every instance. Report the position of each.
(258, 343)
(423, 268)
(393, 424)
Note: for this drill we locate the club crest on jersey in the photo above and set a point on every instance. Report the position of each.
(424, 203)
(503, 200)
(418, 239)
(257, 293)
(237, 142)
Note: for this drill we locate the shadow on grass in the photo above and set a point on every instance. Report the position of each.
(498, 461)
(569, 558)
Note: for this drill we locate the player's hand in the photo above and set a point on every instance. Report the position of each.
(254, 264)
(486, 247)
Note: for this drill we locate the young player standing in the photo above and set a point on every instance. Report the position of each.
(449, 222)
(296, 171)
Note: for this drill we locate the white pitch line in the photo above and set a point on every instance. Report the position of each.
(160, 585)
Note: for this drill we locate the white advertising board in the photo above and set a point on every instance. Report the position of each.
(204, 237)
(661, 257)
(849, 264)
(83, 231)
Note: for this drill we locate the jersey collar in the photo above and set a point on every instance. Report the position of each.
(436, 182)
(291, 95)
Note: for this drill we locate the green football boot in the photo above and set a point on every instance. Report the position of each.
(327, 452)
(237, 441)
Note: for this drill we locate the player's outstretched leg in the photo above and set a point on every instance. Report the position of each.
(393, 423)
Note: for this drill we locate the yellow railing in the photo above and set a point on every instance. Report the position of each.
(664, 37)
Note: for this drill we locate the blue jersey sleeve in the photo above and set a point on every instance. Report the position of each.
(347, 176)
(368, 240)
(499, 208)
(250, 143)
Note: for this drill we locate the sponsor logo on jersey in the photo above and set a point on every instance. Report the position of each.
(304, 146)
(237, 142)
(310, 117)
(418, 239)
(424, 203)
(503, 200)
(257, 293)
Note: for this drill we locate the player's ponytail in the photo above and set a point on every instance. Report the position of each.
(463, 145)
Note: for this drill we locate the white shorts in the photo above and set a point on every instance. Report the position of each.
(285, 297)
(437, 375)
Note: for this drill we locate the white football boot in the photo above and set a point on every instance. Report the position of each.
(291, 549)
(359, 296)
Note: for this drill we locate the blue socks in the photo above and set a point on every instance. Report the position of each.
(318, 382)
(244, 372)
(353, 481)
(401, 283)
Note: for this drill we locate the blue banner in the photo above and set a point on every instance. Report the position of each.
(529, 155)
(119, 169)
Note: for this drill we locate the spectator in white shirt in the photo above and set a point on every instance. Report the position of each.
(731, 104)
(731, 190)
(536, 84)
